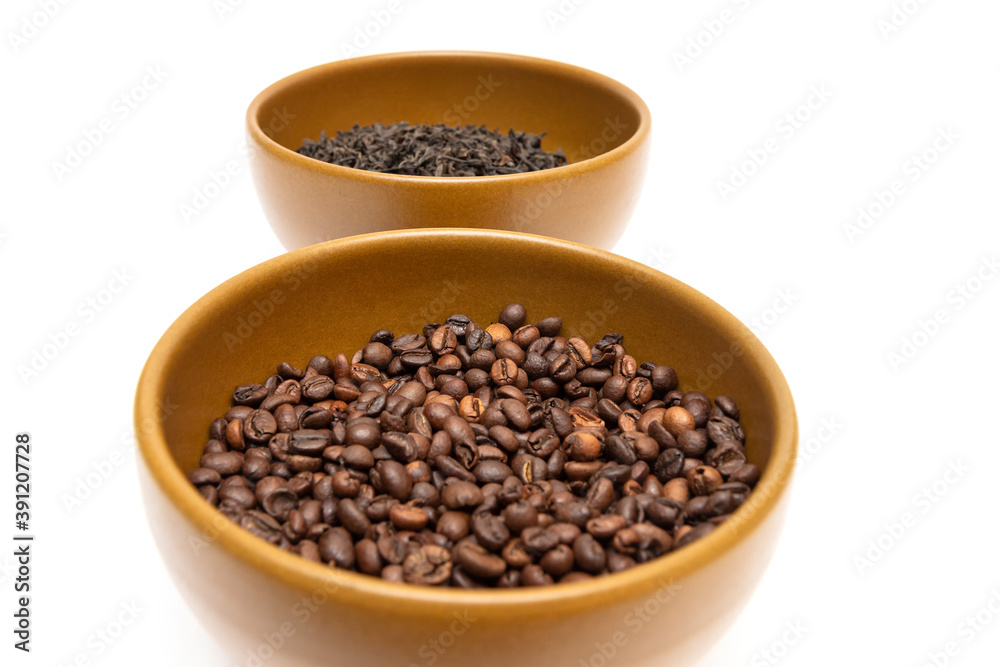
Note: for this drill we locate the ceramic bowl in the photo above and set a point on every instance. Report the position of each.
(602, 127)
(258, 600)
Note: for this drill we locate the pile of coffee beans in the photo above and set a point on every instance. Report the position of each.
(471, 457)
(433, 150)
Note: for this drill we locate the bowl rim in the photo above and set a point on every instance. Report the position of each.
(359, 589)
(263, 140)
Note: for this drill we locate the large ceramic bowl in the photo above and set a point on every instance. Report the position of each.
(601, 125)
(258, 600)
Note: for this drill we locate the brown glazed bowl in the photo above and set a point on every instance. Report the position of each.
(602, 127)
(267, 605)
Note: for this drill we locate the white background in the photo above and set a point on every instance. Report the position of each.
(876, 432)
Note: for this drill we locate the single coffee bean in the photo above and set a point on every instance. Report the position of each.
(430, 565)
(704, 480)
(513, 315)
(262, 525)
(479, 562)
(337, 548)
(459, 495)
(589, 554)
(225, 464)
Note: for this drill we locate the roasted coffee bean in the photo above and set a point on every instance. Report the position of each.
(664, 512)
(703, 480)
(619, 449)
(458, 495)
(669, 464)
(678, 420)
(279, 502)
(693, 443)
(430, 565)
(601, 493)
(520, 515)
(558, 561)
(534, 575)
(604, 527)
(491, 471)
(469, 456)
(583, 446)
(538, 540)
(479, 562)
(261, 525)
(696, 533)
(490, 531)
(250, 395)
(723, 429)
(728, 457)
(747, 474)
(391, 477)
(337, 548)
(503, 371)
(589, 554)
(238, 494)
(358, 457)
(513, 315)
(225, 463)
(454, 525)
(408, 517)
(728, 407)
(400, 446)
(202, 476)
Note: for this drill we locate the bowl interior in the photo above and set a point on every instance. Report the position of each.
(583, 113)
(330, 297)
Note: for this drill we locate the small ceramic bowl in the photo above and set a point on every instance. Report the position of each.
(602, 127)
(258, 600)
